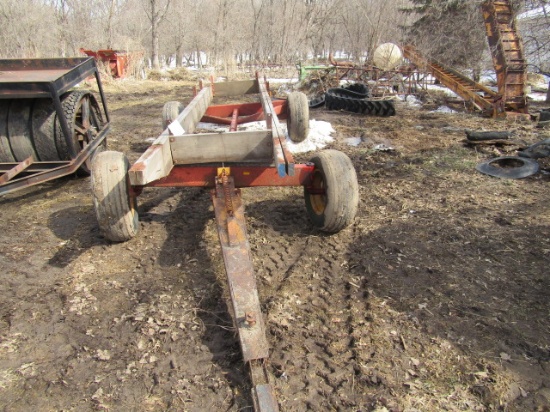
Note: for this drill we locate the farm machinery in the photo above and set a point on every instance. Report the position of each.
(47, 128)
(226, 162)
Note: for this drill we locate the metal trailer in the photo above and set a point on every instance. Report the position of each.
(226, 162)
(48, 130)
(116, 60)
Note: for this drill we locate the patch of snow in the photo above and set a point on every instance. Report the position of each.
(443, 89)
(212, 127)
(319, 134)
(353, 141)
(537, 97)
(534, 13)
(411, 100)
(443, 109)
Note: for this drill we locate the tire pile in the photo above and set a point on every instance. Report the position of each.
(354, 98)
(31, 127)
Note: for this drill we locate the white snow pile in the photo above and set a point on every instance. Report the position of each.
(443, 109)
(320, 134)
(411, 100)
(353, 141)
(538, 97)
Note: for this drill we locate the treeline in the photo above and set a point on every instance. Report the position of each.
(227, 32)
(224, 31)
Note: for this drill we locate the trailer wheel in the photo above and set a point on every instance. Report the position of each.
(170, 112)
(84, 119)
(6, 155)
(298, 117)
(332, 197)
(19, 132)
(116, 210)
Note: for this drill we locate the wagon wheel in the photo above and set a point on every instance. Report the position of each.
(298, 117)
(170, 112)
(332, 197)
(85, 121)
(116, 209)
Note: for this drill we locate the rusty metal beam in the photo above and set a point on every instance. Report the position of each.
(479, 96)
(245, 302)
(243, 176)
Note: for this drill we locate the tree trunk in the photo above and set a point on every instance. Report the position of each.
(155, 47)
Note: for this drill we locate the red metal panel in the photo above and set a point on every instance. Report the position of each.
(248, 112)
(244, 176)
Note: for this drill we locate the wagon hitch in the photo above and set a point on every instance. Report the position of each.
(245, 302)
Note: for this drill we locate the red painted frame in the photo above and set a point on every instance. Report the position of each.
(244, 176)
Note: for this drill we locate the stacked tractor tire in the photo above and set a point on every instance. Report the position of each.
(31, 127)
(354, 98)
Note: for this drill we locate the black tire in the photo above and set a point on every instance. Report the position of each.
(85, 121)
(509, 167)
(6, 155)
(170, 112)
(43, 129)
(316, 102)
(358, 88)
(332, 198)
(298, 117)
(116, 210)
(19, 129)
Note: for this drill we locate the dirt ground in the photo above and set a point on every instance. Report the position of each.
(435, 298)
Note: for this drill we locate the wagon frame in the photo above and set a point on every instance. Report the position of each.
(226, 162)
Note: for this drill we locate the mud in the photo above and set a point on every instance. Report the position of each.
(436, 298)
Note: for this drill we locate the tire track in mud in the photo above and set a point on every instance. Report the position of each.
(315, 310)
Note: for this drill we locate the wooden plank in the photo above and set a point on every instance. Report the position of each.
(194, 111)
(282, 158)
(249, 146)
(236, 88)
(154, 164)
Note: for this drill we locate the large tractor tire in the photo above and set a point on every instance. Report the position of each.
(43, 129)
(6, 155)
(298, 117)
(19, 131)
(170, 112)
(332, 197)
(116, 210)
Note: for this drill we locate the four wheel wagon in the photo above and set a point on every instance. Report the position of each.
(227, 162)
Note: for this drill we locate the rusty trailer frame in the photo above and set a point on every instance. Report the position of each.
(226, 162)
(49, 78)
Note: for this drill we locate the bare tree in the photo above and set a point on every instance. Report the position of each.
(156, 13)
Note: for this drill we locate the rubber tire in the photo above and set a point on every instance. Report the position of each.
(298, 117)
(6, 155)
(19, 129)
(170, 112)
(528, 167)
(116, 211)
(43, 129)
(336, 208)
(71, 103)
